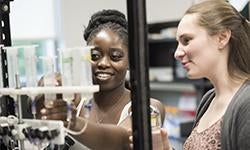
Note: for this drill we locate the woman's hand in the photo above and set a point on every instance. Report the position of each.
(165, 140)
(162, 144)
(58, 110)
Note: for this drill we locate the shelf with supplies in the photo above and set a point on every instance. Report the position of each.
(171, 87)
(180, 86)
(162, 40)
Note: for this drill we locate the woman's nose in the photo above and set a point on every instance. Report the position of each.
(104, 62)
(179, 53)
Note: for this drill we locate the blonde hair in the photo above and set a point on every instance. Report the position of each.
(218, 15)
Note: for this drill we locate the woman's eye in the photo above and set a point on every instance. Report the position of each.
(185, 41)
(95, 55)
(116, 56)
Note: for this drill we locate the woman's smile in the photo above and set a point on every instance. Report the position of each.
(103, 76)
(186, 64)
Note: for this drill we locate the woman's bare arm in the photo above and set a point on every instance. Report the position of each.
(96, 136)
(102, 136)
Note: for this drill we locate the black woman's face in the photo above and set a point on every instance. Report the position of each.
(109, 60)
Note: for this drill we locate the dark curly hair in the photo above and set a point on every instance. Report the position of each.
(107, 20)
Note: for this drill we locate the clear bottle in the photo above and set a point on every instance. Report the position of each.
(156, 129)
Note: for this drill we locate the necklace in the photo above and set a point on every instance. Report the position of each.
(99, 118)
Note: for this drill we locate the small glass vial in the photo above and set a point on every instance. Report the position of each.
(156, 129)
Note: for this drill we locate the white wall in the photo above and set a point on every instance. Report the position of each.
(32, 19)
(166, 10)
(76, 13)
(65, 19)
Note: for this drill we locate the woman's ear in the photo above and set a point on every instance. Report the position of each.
(223, 38)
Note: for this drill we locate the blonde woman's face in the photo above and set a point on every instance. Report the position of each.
(197, 51)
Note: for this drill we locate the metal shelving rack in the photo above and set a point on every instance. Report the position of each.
(6, 103)
(138, 59)
(5, 37)
(5, 40)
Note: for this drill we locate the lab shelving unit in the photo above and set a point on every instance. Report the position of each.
(6, 102)
(138, 63)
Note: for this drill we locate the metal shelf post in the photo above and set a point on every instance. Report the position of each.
(138, 59)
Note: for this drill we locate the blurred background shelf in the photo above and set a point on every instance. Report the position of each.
(172, 86)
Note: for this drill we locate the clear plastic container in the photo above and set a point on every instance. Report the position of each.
(49, 78)
(66, 63)
(30, 61)
(82, 74)
(156, 129)
(81, 59)
(76, 69)
(12, 61)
